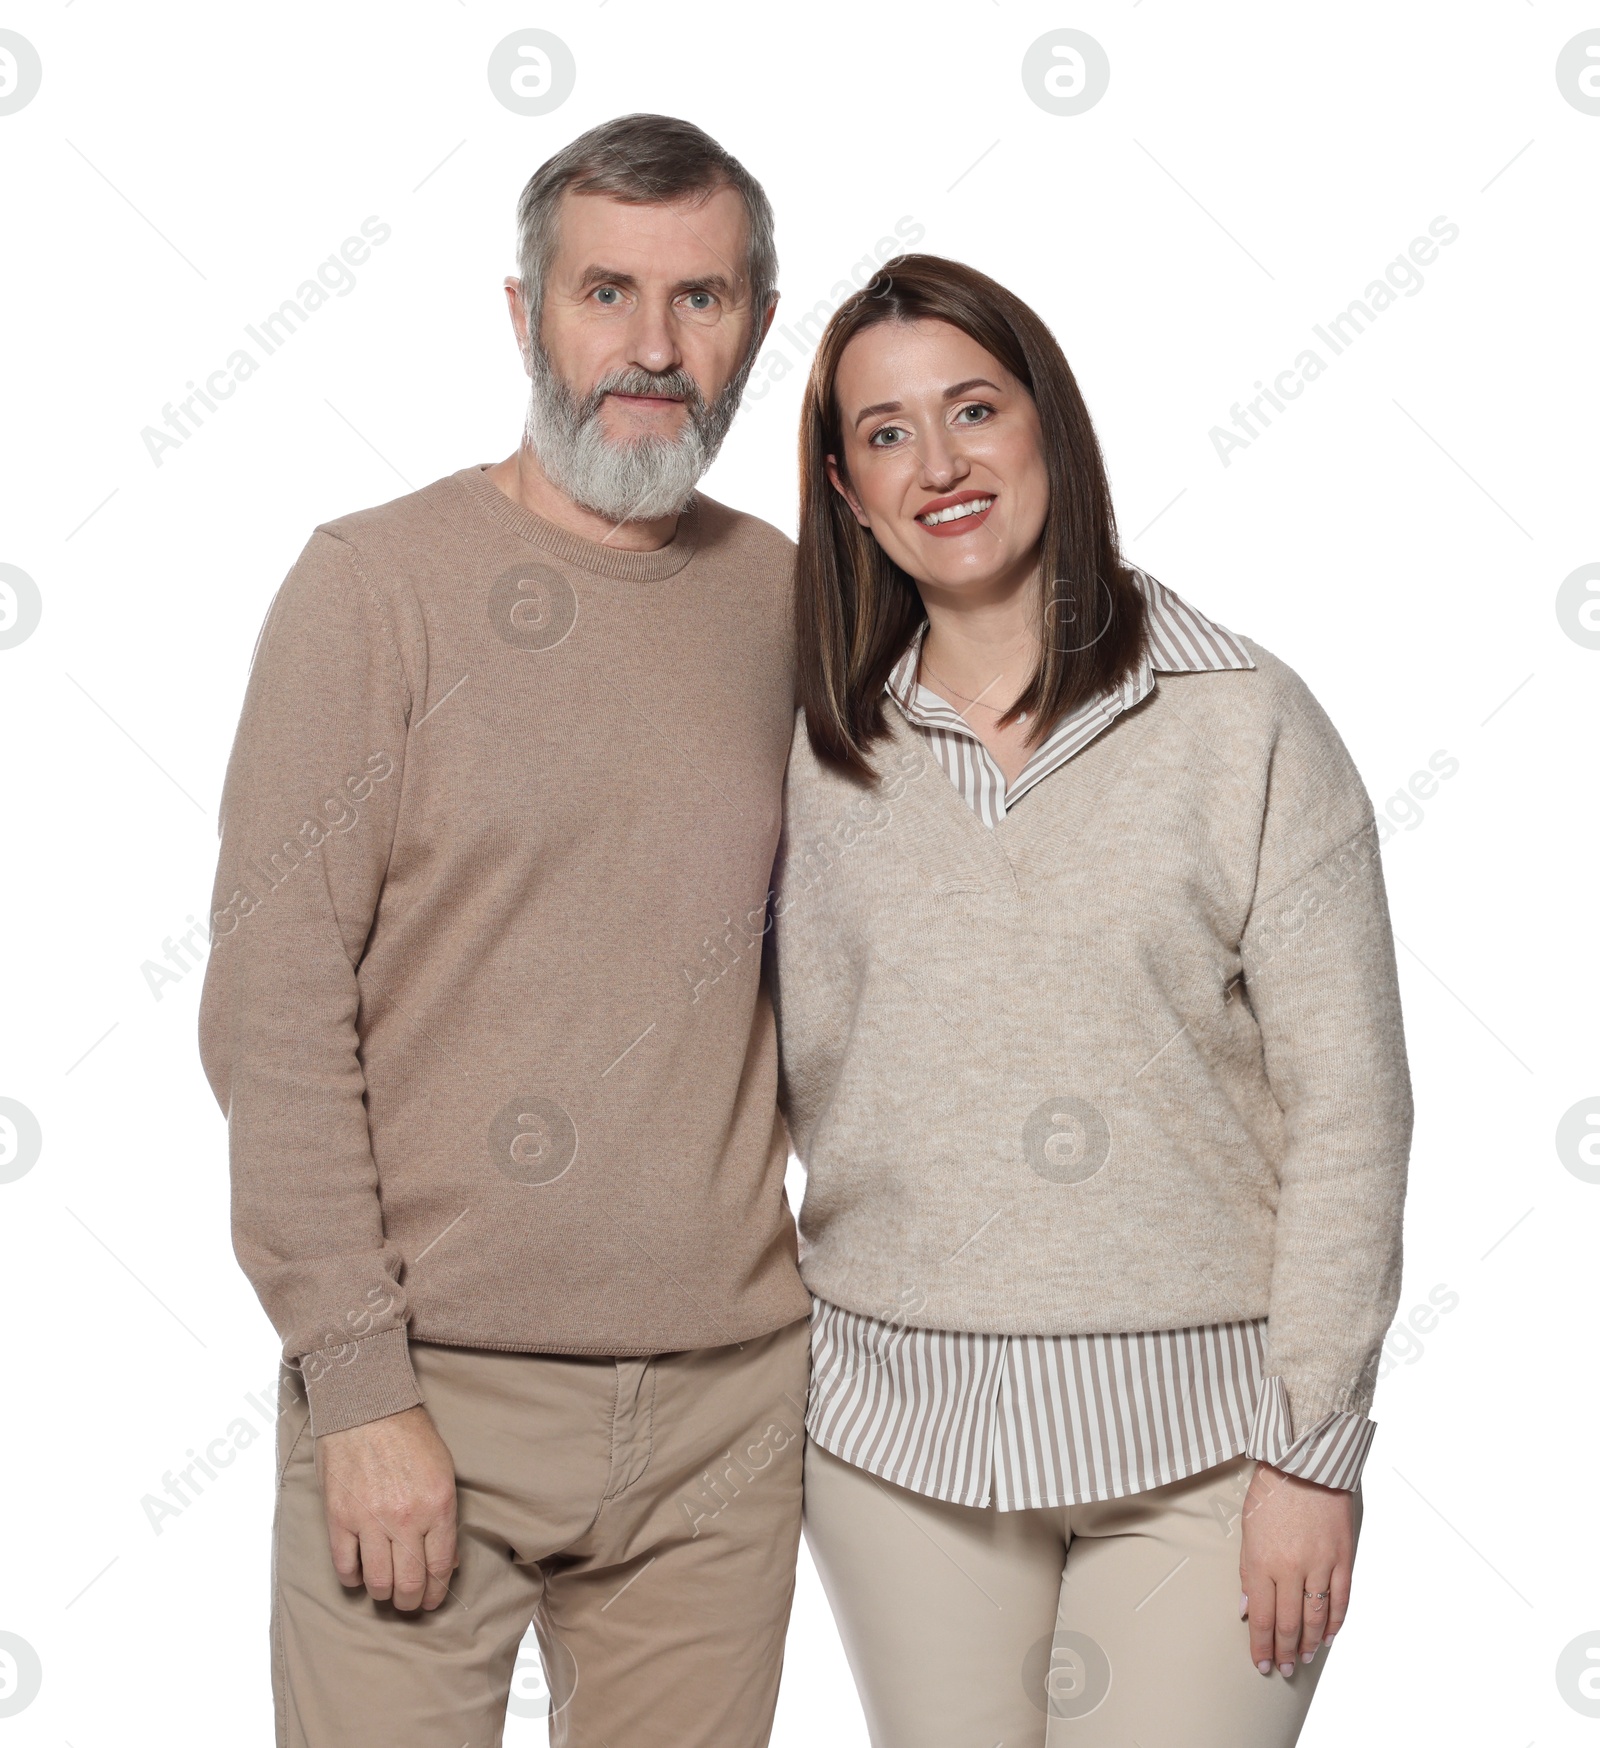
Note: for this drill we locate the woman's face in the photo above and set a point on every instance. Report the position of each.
(942, 458)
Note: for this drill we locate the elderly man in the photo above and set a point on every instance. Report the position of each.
(486, 1015)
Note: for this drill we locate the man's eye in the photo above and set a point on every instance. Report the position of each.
(701, 300)
(608, 294)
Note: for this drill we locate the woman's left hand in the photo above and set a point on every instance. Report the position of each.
(1294, 1567)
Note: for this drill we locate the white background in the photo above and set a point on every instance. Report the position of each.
(1398, 536)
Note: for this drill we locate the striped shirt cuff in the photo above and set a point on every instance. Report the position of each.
(1330, 1453)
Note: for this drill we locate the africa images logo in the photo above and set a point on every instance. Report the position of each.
(532, 72)
(21, 1675)
(21, 72)
(1066, 72)
(21, 1140)
(20, 606)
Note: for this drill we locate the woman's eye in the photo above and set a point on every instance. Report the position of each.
(982, 412)
(886, 438)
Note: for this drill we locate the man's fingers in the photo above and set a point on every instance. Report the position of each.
(410, 1574)
(405, 1567)
(439, 1556)
(389, 1486)
(377, 1563)
(346, 1551)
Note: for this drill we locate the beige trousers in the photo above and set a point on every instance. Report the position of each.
(642, 1514)
(1085, 1626)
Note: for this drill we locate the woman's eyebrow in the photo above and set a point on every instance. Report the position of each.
(954, 392)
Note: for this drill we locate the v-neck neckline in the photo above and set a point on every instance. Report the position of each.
(942, 714)
(958, 724)
(1180, 640)
(906, 735)
(1112, 707)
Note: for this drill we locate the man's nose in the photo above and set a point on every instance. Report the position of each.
(652, 340)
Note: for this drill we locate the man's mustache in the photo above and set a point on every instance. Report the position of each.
(673, 384)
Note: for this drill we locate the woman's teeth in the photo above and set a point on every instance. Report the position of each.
(955, 512)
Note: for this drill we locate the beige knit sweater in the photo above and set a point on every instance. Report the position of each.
(484, 1004)
(1130, 1060)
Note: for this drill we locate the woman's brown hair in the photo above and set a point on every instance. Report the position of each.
(856, 610)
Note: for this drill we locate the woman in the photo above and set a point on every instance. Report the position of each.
(1092, 1051)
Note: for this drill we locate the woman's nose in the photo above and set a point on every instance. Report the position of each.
(942, 463)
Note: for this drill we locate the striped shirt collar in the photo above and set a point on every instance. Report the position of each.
(1180, 640)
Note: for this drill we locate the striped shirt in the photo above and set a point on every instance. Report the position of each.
(1030, 1421)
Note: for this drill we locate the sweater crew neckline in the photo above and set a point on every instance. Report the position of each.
(574, 549)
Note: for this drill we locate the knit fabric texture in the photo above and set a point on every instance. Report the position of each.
(1130, 1059)
(484, 1006)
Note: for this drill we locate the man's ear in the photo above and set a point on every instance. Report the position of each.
(766, 320)
(841, 485)
(518, 311)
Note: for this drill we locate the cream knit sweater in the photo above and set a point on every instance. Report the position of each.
(1130, 1060)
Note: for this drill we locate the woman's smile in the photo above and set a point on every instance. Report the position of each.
(960, 513)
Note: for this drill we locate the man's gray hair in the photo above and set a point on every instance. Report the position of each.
(646, 160)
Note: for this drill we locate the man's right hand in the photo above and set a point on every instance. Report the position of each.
(389, 1490)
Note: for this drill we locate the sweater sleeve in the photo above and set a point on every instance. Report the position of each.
(1319, 974)
(308, 816)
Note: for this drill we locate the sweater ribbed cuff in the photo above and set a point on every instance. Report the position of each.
(358, 1381)
(1330, 1452)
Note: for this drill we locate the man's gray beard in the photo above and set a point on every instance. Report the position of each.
(626, 482)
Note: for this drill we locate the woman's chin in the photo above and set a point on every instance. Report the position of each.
(965, 573)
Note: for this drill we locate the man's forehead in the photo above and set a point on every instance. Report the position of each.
(702, 233)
